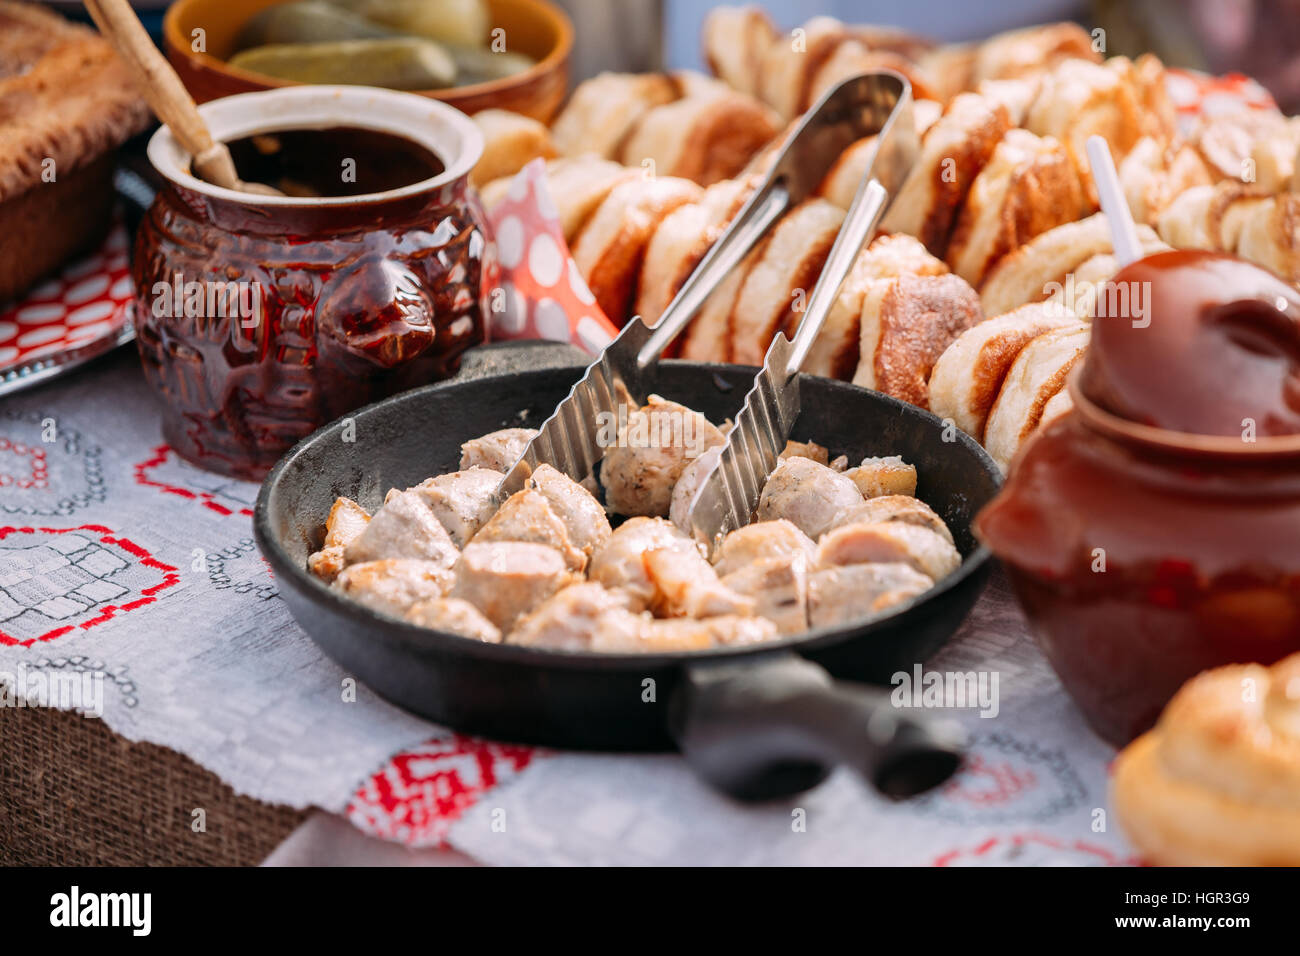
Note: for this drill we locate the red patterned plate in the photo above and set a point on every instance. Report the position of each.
(79, 314)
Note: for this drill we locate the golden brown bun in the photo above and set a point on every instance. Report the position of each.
(790, 63)
(954, 151)
(1244, 145)
(510, 142)
(1020, 52)
(612, 244)
(1028, 274)
(1217, 781)
(969, 375)
(736, 40)
(1146, 75)
(951, 69)
(680, 242)
(1079, 99)
(852, 57)
(906, 325)
(1028, 186)
(1016, 95)
(1270, 236)
(604, 110)
(835, 351)
(776, 287)
(1154, 173)
(705, 137)
(1035, 377)
(1239, 219)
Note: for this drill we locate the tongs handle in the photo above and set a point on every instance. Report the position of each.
(874, 103)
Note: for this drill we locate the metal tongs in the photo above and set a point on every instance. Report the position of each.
(878, 104)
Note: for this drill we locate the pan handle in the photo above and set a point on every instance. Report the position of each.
(778, 725)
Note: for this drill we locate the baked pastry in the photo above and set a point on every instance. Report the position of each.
(611, 246)
(968, 377)
(771, 298)
(66, 103)
(1269, 235)
(835, 351)
(852, 57)
(1239, 219)
(954, 151)
(951, 68)
(736, 39)
(1217, 781)
(1079, 99)
(1154, 173)
(1017, 95)
(1243, 145)
(681, 241)
(605, 109)
(1035, 270)
(1146, 76)
(1031, 50)
(705, 137)
(790, 64)
(1034, 379)
(510, 142)
(1028, 186)
(1079, 297)
(905, 326)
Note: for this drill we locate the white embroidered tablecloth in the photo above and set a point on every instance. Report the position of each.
(117, 557)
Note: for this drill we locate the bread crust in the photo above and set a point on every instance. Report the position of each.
(906, 325)
(953, 152)
(969, 375)
(1217, 781)
(1028, 186)
(610, 249)
(792, 261)
(1035, 377)
(64, 97)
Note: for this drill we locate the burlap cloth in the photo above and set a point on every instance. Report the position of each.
(73, 793)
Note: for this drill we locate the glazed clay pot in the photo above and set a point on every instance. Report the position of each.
(1151, 545)
(311, 306)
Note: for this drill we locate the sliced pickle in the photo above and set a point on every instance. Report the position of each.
(309, 21)
(481, 65)
(398, 63)
(463, 22)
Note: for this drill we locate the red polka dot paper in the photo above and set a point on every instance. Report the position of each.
(83, 306)
(542, 293)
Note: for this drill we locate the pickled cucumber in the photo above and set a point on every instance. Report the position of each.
(398, 63)
(480, 65)
(308, 21)
(463, 22)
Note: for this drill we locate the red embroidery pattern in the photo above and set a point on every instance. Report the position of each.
(419, 793)
(211, 498)
(985, 783)
(35, 473)
(46, 585)
(1026, 849)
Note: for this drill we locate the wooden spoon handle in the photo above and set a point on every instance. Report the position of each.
(163, 89)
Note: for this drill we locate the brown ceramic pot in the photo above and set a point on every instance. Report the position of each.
(306, 307)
